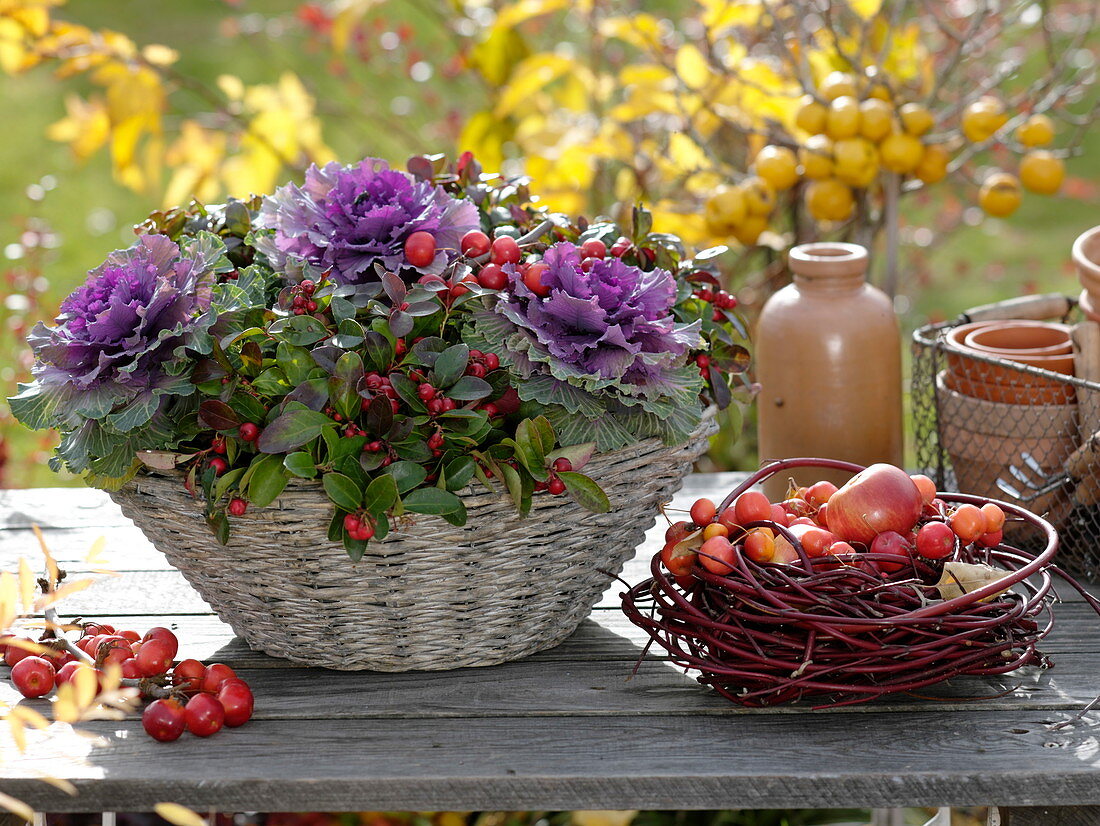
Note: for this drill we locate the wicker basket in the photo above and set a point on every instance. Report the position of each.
(431, 596)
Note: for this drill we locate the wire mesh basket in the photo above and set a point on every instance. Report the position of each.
(1024, 434)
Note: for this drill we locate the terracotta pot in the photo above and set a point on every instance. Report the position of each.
(965, 367)
(982, 438)
(1088, 305)
(1023, 338)
(1056, 393)
(1086, 258)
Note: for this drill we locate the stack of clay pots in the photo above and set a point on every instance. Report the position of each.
(992, 411)
(1086, 257)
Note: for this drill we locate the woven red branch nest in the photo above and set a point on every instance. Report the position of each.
(766, 634)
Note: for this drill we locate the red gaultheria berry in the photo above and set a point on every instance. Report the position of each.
(703, 361)
(216, 674)
(492, 361)
(311, 306)
(556, 486)
(154, 658)
(33, 676)
(188, 675)
(163, 720)
(204, 715)
(218, 444)
(158, 632)
(619, 248)
(219, 465)
(491, 410)
(533, 279)
(420, 249)
(425, 391)
(474, 244)
(298, 303)
(492, 277)
(449, 405)
(562, 464)
(237, 700)
(435, 440)
(237, 507)
(364, 532)
(593, 248)
(400, 348)
(249, 432)
(351, 522)
(476, 370)
(505, 250)
(307, 286)
(435, 406)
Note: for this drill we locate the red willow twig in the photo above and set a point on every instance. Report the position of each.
(765, 634)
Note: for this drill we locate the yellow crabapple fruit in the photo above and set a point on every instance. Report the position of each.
(1000, 194)
(759, 195)
(816, 157)
(837, 84)
(843, 118)
(777, 165)
(1042, 172)
(915, 118)
(829, 200)
(933, 164)
(725, 209)
(749, 230)
(876, 119)
(811, 115)
(901, 152)
(1038, 130)
(982, 118)
(855, 161)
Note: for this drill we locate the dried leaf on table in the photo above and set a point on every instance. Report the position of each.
(960, 578)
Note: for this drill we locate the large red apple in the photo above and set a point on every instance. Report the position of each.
(880, 498)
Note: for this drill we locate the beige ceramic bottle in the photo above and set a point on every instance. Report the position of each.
(828, 359)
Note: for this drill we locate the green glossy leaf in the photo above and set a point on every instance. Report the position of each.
(342, 491)
(355, 547)
(381, 494)
(459, 472)
(512, 480)
(434, 501)
(295, 362)
(219, 526)
(407, 475)
(301, 464)
(578, 455)
(272, 382)
(469, 388)
(291, 429)
(450, 365)
(267, 481)
(585, 492)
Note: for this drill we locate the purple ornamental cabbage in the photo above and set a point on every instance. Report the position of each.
(114, 339)
(349, 218)
(609, 328)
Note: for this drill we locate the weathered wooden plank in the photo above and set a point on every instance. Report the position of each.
(652, 762)
(58, 508)
(1046, 816)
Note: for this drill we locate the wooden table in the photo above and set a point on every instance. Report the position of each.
(565, 729)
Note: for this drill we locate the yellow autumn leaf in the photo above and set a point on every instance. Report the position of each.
(498, 54)
(9, 598)
(195, 158)
(29, 717)
(602, 818)
(520, 11)
(178, 815)
(692, 68)
(231, 86)
(865, 8)
(723, 14)
(20, 28)
(27, 585)
(159, 55)
(348, 14)
(61, 592)
(85, 128)
(16, 807)
(485, 134)
(52, 573)
(96, 552)
(532, 75)
(643, 31)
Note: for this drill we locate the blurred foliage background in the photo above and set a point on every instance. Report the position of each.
(116, 109)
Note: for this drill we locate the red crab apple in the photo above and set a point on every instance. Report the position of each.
(33, 676)
(877, 499)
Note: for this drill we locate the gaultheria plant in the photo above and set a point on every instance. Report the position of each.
(117, 351)
(602, 347)
(350, 218)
